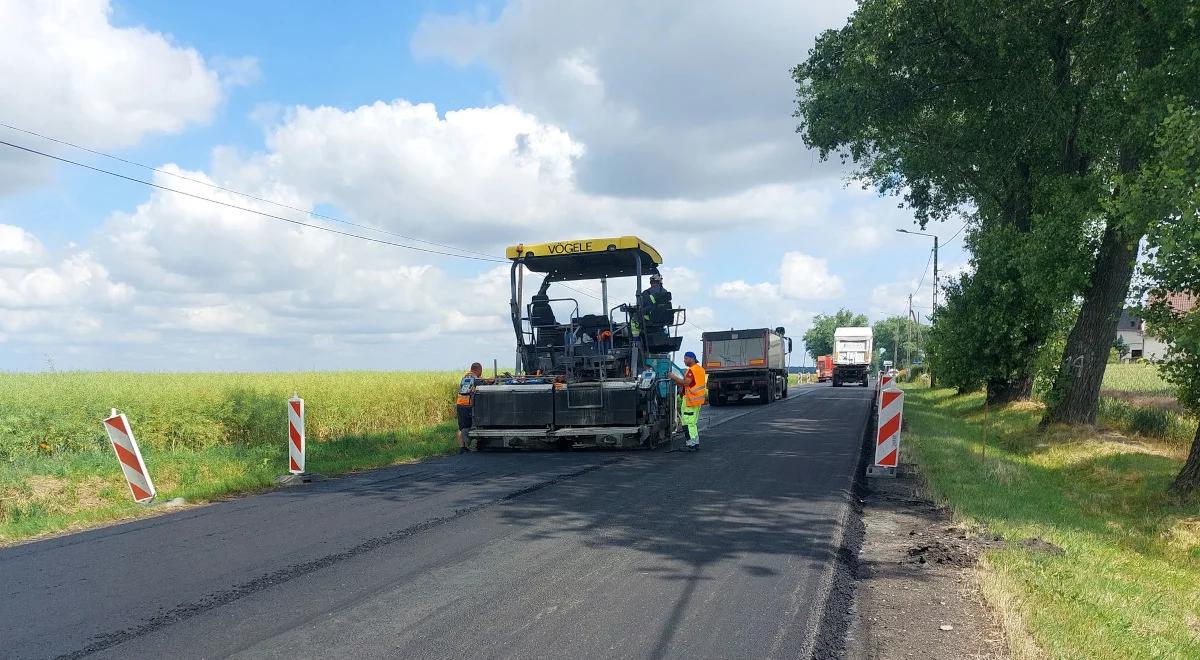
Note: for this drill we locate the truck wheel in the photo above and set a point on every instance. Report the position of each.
(766, 394)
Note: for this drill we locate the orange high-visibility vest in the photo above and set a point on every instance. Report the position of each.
(697, 394)
(464, 390)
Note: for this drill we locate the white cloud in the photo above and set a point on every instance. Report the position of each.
(19, 247)
(67, 71)
(673, 99)
(745, 292)
(804, 277)
(801, 277)
(237, 71)
(683, 282)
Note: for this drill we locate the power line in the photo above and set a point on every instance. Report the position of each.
(243, 208)
(927, 262)
(232, 191)
(960, 230)
(482, 256)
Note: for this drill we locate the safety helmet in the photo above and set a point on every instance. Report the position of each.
(656, 277)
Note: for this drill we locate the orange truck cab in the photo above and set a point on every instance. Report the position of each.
(824, 368)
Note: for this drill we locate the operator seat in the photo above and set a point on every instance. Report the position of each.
(541, 319)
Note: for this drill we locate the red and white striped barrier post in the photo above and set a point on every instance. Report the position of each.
(887, 434)
(886, 381)
(296, 435)
(120, 434)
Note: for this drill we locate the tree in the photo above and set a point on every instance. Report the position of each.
(818, 340)
(962, 109)
(1121, 348)
(899, 334)
(1170, 192)
(1028, 116)
(1151, 60)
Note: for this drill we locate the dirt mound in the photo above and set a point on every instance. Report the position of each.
(942, 552)
(1035, 544)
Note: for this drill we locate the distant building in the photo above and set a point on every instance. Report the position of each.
(1142, 344)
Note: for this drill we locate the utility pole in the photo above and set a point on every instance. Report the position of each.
(896, 346)
(908, 332)
(935, 278)
(935, 273)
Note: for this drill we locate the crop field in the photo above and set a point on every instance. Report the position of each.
(203, 435)
(1140, 378)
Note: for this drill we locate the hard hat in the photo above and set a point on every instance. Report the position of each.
(656, 277)
(690, 354)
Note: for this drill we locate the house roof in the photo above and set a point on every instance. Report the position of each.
(1129, 321)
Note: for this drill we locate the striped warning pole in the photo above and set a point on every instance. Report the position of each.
(296, 435)
(120, 434)
(886, 381)
(887, 434)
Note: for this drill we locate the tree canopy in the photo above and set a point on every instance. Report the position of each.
(818, 340)
(1031, 119)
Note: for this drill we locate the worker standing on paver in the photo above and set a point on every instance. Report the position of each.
(466, 398)
(653, 313)
(694, 383)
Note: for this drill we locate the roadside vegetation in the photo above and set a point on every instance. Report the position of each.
(1127, 581)
(203, 435)
(1061, 141)
(1136, 400)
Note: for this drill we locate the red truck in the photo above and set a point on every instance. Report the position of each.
(824, 368)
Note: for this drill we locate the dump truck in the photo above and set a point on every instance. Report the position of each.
(592, 372)
(743, 363)
(824, 368)
(852, 351)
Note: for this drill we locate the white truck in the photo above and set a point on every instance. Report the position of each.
(852, 351)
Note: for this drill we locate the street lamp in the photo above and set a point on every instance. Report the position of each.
(935, 260)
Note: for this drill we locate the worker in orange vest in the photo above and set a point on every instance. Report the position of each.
(466, 397)
(694, 384)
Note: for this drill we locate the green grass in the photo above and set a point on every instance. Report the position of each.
(1150, 421)
(203, 436)
(1140, 378)
(1128, 585)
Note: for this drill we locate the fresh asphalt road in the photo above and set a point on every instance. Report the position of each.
(729, 552)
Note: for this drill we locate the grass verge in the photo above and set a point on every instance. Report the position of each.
(1128, 582)
(73, 491)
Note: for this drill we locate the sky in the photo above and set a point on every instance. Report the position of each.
(470, 125)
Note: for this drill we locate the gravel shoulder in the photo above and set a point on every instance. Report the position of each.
(917, 593)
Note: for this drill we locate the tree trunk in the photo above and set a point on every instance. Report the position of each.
(1086, 355)
(1188, 481)
(1001, 391)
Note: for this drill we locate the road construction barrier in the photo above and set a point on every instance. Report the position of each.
(887, 433)
(120, 434)
(886, 381)
(296, 435)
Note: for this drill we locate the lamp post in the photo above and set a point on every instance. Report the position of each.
(935, 275)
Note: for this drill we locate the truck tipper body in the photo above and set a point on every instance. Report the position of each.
(852, 351)
(824, 368)
(743, 363)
